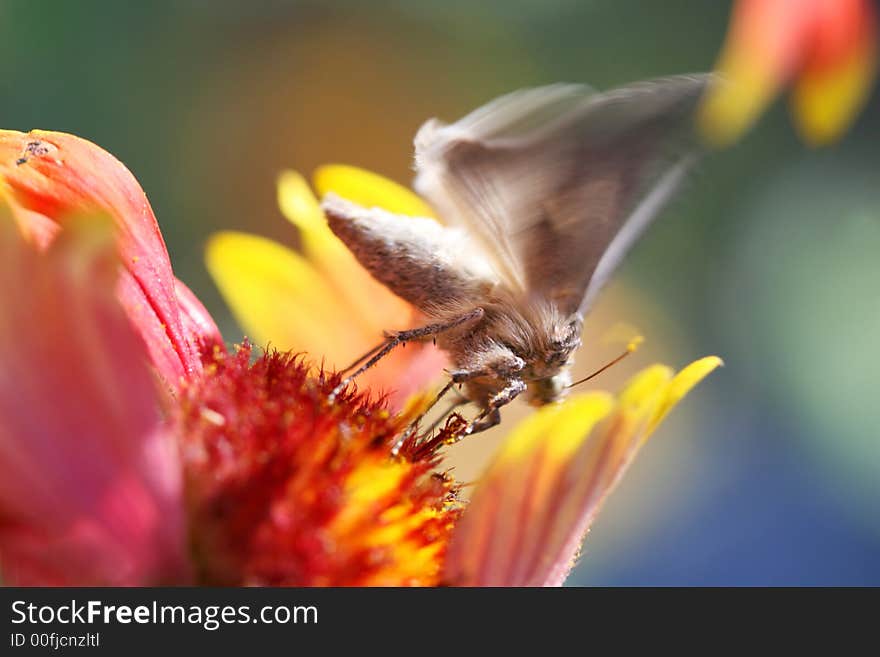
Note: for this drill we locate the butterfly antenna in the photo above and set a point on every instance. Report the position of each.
(631, 347)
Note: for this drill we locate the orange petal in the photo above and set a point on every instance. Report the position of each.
(829, 45)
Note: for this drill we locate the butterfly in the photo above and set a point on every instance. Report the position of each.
(542, 193)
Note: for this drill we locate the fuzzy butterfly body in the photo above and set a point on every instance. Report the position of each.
(542, 192)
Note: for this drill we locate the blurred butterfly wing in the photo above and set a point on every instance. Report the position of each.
(556, 183)
(462, 168)
(636, 223)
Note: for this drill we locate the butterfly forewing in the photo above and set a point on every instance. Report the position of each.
(553, 181)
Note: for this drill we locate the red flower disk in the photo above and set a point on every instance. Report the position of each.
(287, 488)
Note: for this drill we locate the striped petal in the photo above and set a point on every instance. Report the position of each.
(529, 513)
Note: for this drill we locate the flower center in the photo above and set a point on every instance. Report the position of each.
(286, 488)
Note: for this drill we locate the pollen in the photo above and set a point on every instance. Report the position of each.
(285, 487)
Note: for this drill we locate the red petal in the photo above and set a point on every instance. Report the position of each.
(841, 29)
(772, 34)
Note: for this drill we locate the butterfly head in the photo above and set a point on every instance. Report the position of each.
(549, 371)
(549, 389)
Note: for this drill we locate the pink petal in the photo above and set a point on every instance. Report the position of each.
(90, 485)
(198, 325)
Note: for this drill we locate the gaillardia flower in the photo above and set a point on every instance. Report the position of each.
(827, 48)
(239, 467)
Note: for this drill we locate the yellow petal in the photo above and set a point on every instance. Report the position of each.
(826, 102)
(279, 298)
(639, 393)
(731, 106)
(681, 385)
(371, 304)
(369, 190)
(558, 428)
(302, 209)
(298, 204)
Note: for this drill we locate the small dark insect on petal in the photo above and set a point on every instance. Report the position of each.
(33, 148)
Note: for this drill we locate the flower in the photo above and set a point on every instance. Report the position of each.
(49, 179)
(272, 289)
(251, 472)
(827, 47)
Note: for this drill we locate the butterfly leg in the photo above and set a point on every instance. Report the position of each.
(458, 402)
(455, 377)
(402, 337)
(412, 429)
(363, 357)
(440, 396)
(487, 419)
(491, 415)
(504, 365)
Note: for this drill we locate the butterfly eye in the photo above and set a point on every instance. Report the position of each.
(559, 353)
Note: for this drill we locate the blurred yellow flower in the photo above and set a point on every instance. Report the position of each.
(827, 48)
(322, 301)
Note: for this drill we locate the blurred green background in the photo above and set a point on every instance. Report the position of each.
(770, 473)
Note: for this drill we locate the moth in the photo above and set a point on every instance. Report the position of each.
(542, 193)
